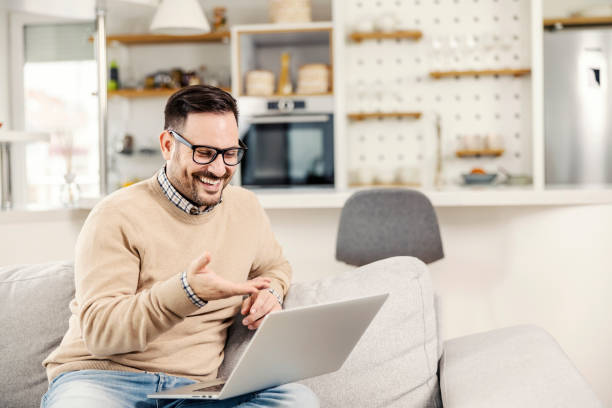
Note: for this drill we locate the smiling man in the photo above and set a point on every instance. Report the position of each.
(161, 269)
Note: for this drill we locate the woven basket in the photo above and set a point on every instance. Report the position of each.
(290, 11)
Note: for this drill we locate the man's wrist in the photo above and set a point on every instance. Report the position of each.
(276, 295)
(195, 299)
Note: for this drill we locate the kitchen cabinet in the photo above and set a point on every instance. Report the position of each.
(259, 47)
(282, 76)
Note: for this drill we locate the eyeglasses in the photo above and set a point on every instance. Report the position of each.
(207, 154)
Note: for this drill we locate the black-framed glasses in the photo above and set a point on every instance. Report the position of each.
(203, 154)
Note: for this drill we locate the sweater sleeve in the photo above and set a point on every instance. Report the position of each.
(114, 317)
(269, 260)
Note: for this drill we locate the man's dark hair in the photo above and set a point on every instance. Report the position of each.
(197, 99)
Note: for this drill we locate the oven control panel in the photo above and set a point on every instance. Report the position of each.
(286, 105)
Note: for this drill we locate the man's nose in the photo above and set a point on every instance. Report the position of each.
(217, 166)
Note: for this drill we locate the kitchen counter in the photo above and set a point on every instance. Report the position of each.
(449, 197)
(328, 198)
(32, 214)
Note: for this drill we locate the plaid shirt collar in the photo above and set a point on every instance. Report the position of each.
(177, 198)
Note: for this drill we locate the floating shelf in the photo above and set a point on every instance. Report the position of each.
(409, 34)
(577, 21)
(130, 39)
(364, 116)
(478, 153)
(291, 95)
(486, 72)
(147, 93)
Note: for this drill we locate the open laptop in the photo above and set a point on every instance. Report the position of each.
(291, 345)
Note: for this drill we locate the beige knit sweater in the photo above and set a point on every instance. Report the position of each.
(130, 311)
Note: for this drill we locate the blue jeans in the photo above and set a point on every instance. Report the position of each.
(118, 389)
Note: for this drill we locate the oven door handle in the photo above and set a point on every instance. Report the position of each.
(289, 119)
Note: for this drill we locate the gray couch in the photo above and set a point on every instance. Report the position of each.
(399, 362)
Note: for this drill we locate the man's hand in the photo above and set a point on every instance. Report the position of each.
(257, 306)
(210, 286)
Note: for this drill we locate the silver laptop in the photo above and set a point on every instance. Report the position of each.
(289, 346)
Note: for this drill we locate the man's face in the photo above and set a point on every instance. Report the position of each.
(203, 184)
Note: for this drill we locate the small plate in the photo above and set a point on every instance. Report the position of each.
(479, 178)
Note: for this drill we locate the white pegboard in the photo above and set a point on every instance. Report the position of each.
(393, 75)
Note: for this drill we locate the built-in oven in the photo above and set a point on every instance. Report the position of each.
(290, 142)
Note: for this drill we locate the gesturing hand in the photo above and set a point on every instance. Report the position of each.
(210, 286)
(257, 306)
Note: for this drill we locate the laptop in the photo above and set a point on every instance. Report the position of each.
(291, 345)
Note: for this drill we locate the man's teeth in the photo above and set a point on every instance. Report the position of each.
(209, 180)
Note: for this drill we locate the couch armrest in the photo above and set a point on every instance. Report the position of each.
(520, 366)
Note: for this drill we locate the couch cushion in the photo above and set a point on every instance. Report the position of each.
(395, 362)
(519, 366)
(34, 318)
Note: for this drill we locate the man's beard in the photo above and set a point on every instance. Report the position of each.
(189, 189)
(201, 202)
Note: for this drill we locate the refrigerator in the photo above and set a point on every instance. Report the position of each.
(578, 106)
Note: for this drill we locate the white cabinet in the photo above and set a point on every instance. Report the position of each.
(259, 47)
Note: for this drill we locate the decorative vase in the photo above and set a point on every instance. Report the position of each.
(70, 191)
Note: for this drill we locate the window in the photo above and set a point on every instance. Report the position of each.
(60, 80)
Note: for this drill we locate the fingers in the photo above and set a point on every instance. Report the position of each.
(259, 308)
(246, 304)
(255, 325)
(201, 262)
(264, 303)
(251, 287)
(261, 283)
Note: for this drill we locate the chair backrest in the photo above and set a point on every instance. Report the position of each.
(381, 223)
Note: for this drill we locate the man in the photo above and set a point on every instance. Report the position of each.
(161, 268)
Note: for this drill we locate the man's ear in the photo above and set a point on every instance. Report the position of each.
(166, 144)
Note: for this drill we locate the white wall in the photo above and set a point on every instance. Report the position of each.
(549, 266)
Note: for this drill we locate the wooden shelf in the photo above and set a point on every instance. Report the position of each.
(291, 95)
(130, 39)
(478, 153)
(486, 72)
(376, 35)
(364, 116)
(577, 21)
(147, 93)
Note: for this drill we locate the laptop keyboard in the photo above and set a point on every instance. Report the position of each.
(212, 388)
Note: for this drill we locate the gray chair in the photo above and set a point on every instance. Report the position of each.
(381, 223)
